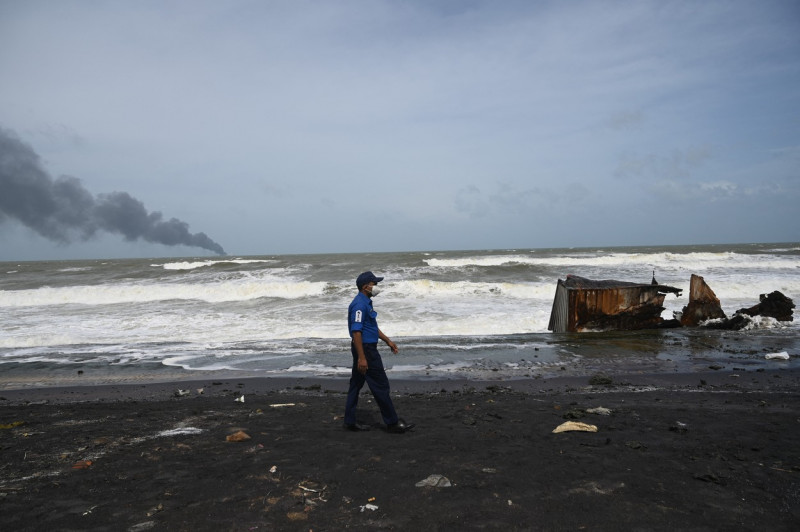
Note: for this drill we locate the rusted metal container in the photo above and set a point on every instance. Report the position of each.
(582, 304)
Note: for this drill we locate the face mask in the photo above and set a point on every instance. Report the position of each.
(375, 291)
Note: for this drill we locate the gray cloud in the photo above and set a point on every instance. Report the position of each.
(677, 164)
(470, 201)
(625, 120)
(62, 209)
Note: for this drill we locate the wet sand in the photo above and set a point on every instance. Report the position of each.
(701, 451)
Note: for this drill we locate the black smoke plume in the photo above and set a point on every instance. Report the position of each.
(63, 210)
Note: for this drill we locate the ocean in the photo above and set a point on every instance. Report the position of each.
(453, 314)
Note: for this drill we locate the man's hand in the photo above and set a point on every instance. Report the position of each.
(361, 362)
(392, 345)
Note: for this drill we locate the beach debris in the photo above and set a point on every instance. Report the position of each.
(371, 507)
(309, 487)
(273, 469)
(182, 393)
(155, 510)
(703, 304)
(12, 425)
(599, 410)
(601, 380)
(678, 427)
(82, 464)
(489, 470)
(586, 305)
(595, 488)
(297, 516)
(239, 399)
(315, 487)
(773, 305)
(575, 426)
(582, 304)
(238, 436)
(281, 405)
(200, 391)
(180, 431)
(256, 448)
(434, 481)
(777, 356)
(146, 525)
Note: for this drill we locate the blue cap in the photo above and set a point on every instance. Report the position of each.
(366, 278)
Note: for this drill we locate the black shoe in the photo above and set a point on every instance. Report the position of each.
(400, 427)
(355, 427)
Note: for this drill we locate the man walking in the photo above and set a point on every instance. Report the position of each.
(362, 324)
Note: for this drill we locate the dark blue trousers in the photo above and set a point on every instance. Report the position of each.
(378, 384)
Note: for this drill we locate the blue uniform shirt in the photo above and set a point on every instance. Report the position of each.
(361, 317)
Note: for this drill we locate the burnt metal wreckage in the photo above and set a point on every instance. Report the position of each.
(582, 305)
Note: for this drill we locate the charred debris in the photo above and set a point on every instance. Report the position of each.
(582, 305)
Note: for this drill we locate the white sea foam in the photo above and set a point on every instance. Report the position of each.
(114, 294)
(424, 288)
(318, 369)
(781, 250)
(695, 261)
(205, 263)
(133, 314)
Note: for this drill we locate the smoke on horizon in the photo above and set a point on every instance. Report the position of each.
(62, 209)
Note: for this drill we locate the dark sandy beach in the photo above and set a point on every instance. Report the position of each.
(704, 451)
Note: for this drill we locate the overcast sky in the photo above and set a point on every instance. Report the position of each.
(365, 125)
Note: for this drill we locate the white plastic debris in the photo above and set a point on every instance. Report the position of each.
(239, 399)
(777, 356)
(372, 507)
(273, 469)
(434, 481)
(570, 426)
(178, 432)
(601, 411)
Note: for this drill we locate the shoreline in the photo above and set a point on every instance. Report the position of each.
(668, 354)
(773, 380)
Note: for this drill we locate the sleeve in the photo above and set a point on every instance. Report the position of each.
(357, 314)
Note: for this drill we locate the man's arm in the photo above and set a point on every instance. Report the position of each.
(386, 339)
(362, 359)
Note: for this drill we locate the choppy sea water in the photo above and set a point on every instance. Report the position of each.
(466, 314)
